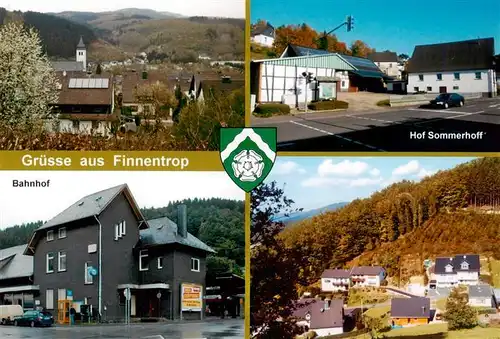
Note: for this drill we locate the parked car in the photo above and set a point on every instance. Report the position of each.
(34, 318)
(9, 312)
(445, 100)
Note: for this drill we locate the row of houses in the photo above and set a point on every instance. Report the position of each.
(94, 251)
(87, 102)
(303, 74)
(333, 280)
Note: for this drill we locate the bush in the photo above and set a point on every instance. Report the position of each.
(327, 105)
(267, 110)
(385, 102)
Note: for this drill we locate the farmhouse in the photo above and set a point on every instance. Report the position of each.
(263, 35)
(101, 246)
(335, 280)
(387, 62)
(461, 66)
(457, 270)
(410, 311)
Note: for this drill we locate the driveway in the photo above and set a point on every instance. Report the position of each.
(362, 101)
(223, 329)
(472, 128)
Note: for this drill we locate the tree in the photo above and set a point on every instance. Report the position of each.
(27, 82)
(157, 96)
(403, 57)
(459, 314)
(181, 102)
(360, 49)
(98, 69)
(275, 268)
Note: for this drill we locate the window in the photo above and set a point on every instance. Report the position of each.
(464, 266)
(415, 89)
(62, 232)
(50, 235)
(49, 299)
(89, 279)
(50, 263)
(143, 257)
(439, 76)
(61, 261)
(421, 77)
(95, 124)
(160, 262)
(120, 229)
(478, 75)
(448, 268)
(390, 65)
(61, 294)
(455, 87)
(456, 76)
(429, 89)
(195, 265)
(76, 124)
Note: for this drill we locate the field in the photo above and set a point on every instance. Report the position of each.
(377, 312)
(495, 272)
(439, 331)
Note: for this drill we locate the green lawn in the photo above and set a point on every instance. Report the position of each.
(377, 312)
(440, 331)
(495, 272)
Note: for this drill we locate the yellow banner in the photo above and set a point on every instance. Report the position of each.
(110, 160)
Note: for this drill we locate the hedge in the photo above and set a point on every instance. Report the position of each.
(266, 110)
(327, 105)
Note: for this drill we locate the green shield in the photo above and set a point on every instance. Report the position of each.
(248, 154)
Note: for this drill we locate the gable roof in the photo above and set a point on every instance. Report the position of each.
(163, 231)
(14, 264)
(367, 270)
(410, 308)
(480, 291)
(91, 205)
(453, 56)
(386, 56)
(220, 85)
(455, 262)
(322, 317)
(303, 307)
(84, 96)
(336, 273)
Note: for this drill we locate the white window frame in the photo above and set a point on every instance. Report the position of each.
(195, 260)
(49, 256)
(50, 235)
(464, 265)
(60, 255)
(159, 261)
(143, 254)
(117, 232)
(62, 233)
(122, 228)
(89, 280)
(448, 268)
(49, 302)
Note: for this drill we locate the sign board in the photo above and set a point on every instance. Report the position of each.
(69, 293)
(92, 271)
(191, 297)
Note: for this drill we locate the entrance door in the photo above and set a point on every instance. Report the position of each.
(442, 89)
(132, 305)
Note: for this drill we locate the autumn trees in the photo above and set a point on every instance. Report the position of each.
(304, 35)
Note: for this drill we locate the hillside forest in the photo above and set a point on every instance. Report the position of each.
(217, 222)
(455, 211)
(304, 35)
(122, 34)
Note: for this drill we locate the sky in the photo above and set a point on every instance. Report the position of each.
(314, 182)
(150, 189)
(389, 25)
(219, 8)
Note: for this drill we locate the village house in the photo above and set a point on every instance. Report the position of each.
(460, 67)
(222, 86)
(482, 296)
(387, 62)
(327, 317)
(335, 280)
(410, 311)
(101, 246)
(457, 270)
(263, 35)
(85, 104)
(367, 276)
(16, 278)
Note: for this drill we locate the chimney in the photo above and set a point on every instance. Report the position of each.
(182, 221)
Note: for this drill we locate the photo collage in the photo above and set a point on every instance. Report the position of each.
(254, 169)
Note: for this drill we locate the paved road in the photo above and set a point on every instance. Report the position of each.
(392, 129)
(224, 329)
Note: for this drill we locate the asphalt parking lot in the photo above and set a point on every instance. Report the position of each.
(472, 128)
(223, 329)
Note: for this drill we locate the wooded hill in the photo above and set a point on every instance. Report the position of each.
(451, 212)
(217, 222)
(116, 35)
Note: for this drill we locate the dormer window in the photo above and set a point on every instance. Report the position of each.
(464, 265)
(308, 317)
(448, 269)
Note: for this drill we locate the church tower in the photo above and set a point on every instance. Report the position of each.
(81, 53)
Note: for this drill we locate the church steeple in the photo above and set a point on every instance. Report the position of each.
(81, 53)
(80, 43)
